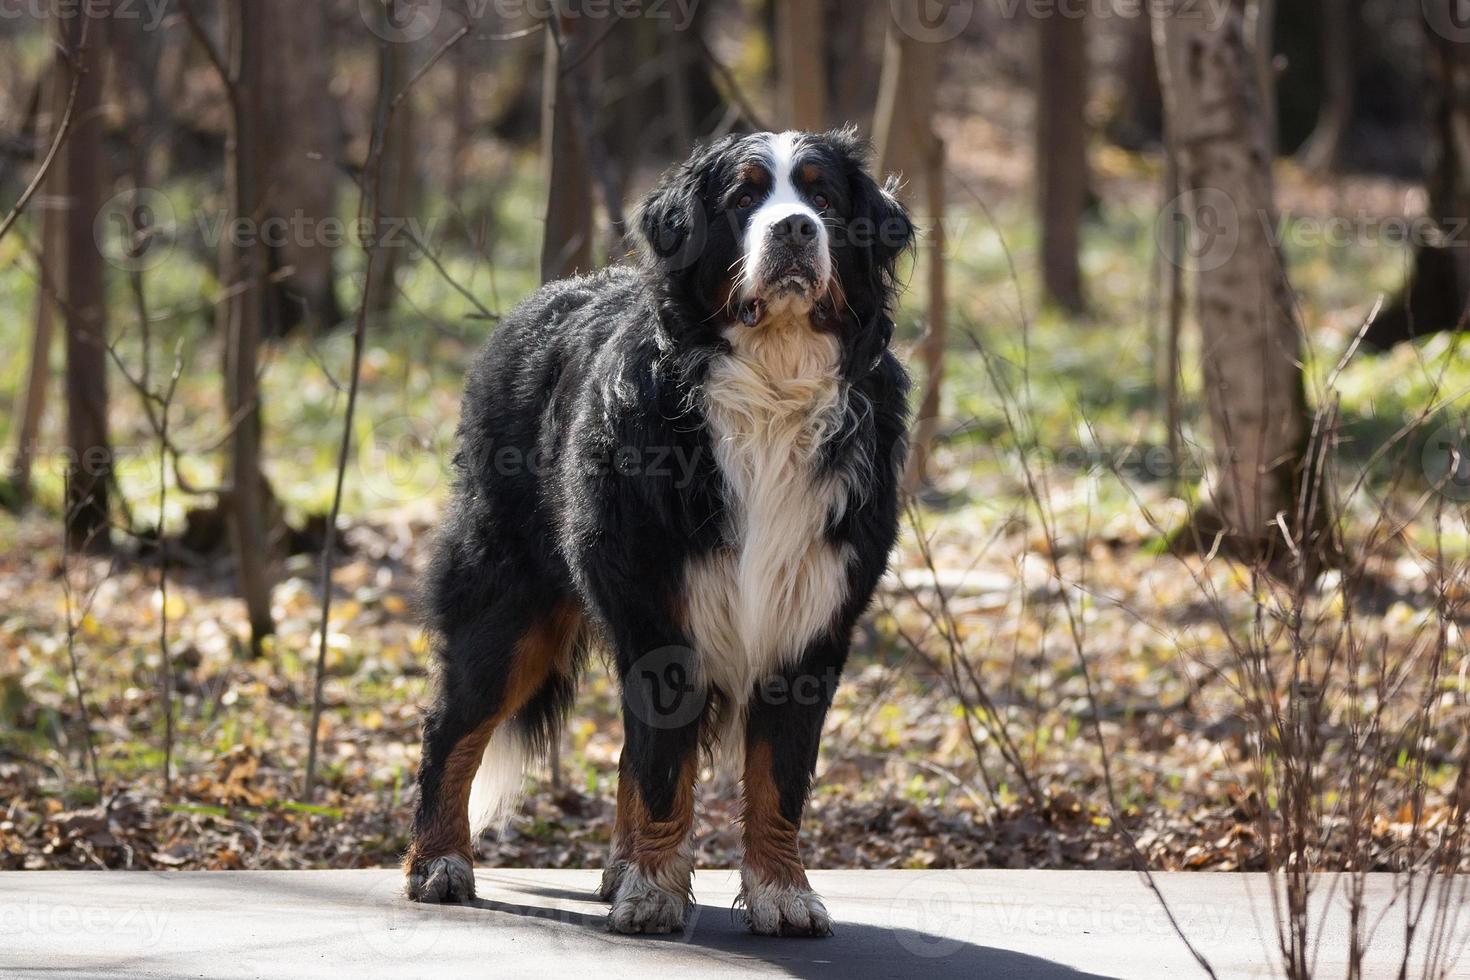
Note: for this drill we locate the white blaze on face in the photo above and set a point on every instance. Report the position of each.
(785, 201)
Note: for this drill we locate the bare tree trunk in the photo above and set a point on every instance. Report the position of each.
(936, 336)
(1251, 343)
(459, 144)
(305, 145)
(908, 143)
(242, 314)
(1437, 296)
(852, 58)
(32, 405)
(903, 127)
(1138, 120)
(1260, 33)
(1061, 153)
(81, 289)
(1323, 149)
(400, 165)
(567, 245)
(803, 69)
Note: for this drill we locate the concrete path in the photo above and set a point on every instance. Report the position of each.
(899, 924)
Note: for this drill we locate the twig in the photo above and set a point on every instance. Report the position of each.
(216, 59)
(63, 128)
(485, 314)
(359, 340)
(734, 91)
(71, 651)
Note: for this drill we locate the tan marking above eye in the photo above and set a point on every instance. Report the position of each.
(810, 173)
(754, 173)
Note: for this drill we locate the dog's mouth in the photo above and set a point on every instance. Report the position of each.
(822, 309)
(795, 286)
(798, 281)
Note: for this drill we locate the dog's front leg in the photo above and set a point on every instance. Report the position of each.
(650, 873)
(783, 729)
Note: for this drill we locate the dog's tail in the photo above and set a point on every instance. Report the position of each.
(515, 746)
(500, 780)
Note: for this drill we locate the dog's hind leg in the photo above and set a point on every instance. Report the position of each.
(504, 671)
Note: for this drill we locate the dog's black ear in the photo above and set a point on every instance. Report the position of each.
(672, 219)
(887, 230)
(880, 233)
(666, 216)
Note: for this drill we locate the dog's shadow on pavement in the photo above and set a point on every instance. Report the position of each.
(857, 951)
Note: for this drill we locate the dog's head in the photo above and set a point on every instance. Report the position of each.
(758, 226)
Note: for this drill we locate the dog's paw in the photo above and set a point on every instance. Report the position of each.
(612, 878)
(441, 880)
(775, 910)
(640, 906)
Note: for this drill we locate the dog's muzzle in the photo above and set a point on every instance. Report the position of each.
(792, 260)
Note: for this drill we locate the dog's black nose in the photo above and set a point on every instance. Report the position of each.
(798, 229)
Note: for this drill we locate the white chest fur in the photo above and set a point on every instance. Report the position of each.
(755, 603)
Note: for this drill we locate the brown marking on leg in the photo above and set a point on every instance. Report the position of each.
(772, 842)
(650, 892)
(623, 833)
(546, 647)
(659, 848)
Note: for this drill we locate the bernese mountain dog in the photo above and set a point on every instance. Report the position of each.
(693, 463)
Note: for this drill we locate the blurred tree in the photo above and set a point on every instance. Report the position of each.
(657, 90)
(1437, 296)
(908, 144)
(82, 293)
(241, 313)
(1323, 150)
(566, 246)
(1061, 151)
(306, 141)
(852, 36)
(1137, 119)
(801, 58)
(399, 182)
(32, 406)
(1260, 28)
(1261, 486)
(462, 65)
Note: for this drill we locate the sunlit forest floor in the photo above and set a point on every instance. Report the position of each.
(900, 780)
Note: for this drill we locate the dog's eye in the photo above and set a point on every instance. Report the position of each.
(745, 201)
(821, 202)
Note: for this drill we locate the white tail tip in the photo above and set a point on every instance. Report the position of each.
(499, 781)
